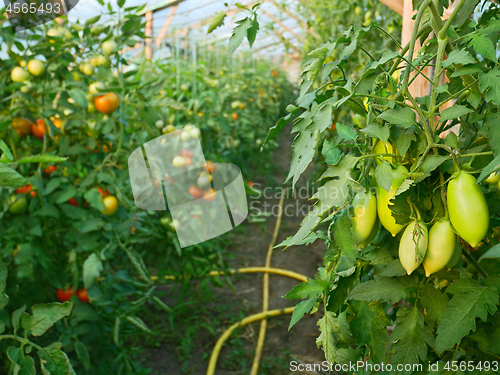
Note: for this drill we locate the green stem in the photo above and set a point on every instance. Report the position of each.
(444, 29)
(474, 263)
(457, 94)
(437, 74)
(390, 36)
(22, 341)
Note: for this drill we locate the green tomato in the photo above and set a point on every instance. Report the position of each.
(380, 149)
(457, 255)
(18, 74)
(467, 208)
(166, 222)
(96, 87)
(383, 201)
(442, 241)
(413, 246)
(493, 178)
(36, 67)
(364, 218)
(109, 47)
(18, 204)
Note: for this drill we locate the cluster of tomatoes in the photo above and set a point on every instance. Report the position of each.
(203, 188)
(435, 248)
(64, 295)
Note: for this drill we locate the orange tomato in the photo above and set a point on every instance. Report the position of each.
(195, 192)
(234, 116)
(333, 127)
(187, 161)
(33, 193)
(22, 126)
(57, 123)
(210, 195)
(250, 183)
(38, 130)
(274, 73)
(107, 103)
(83, 296)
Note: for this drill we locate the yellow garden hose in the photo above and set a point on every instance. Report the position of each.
(241, 323)
(265, 292)
(277, 271)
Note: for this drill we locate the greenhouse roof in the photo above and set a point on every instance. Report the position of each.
(189, 19)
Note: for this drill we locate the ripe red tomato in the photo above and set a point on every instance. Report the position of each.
(73, 202)
(83, 296)
(38, 130)
(250, 183)
(50, 169)
(195, 192)
(104, 193)
(107, 103)
(33, 193)
(23, 189)
(274, 73)
(333, 127)
(65, 295)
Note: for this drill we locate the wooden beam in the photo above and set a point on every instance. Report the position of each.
(285, 27)
(395, 5)
(166, 25)
(301, 22)
(148, 31)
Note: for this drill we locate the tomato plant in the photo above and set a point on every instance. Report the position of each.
(427, 157)
(74, 114)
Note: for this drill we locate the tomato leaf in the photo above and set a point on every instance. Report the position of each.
(369, 326)
(310, 289)
(458, 57)
(434, 301)
(54, 361)
(490, 84)
(346, 132)
(470, 301)
(484, 46)
(79, 97)
(239, 32)
(94, 198)
(454, 112)
(9, 177)
(16, 316)
(216, 21)
(253, 30)
(410, 338)
(302, 308)
(493, 166)
(52, 185)
(24, 365)
(6, 149)
(331, 153)
(329, 326)
(494, 252)
(383, 175)
(381, 288)
(401, 116)
(45, 316)
(138, 323)
(92, 268)
(3, 276)
(378, 131)
(343, 236)
(41, 159)
(394, 268)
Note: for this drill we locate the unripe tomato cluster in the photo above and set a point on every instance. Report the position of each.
(439, 247)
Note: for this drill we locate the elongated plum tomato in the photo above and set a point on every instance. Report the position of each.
(384, 212)
(381, 149)
(442, 241)
(107, 103)
(413, 246)
(467, 208)
(110, 206)
(364, 218)
(65, 295)
(493, 178)
(457, 255)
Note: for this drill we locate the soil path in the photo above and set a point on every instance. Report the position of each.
(250, 247)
